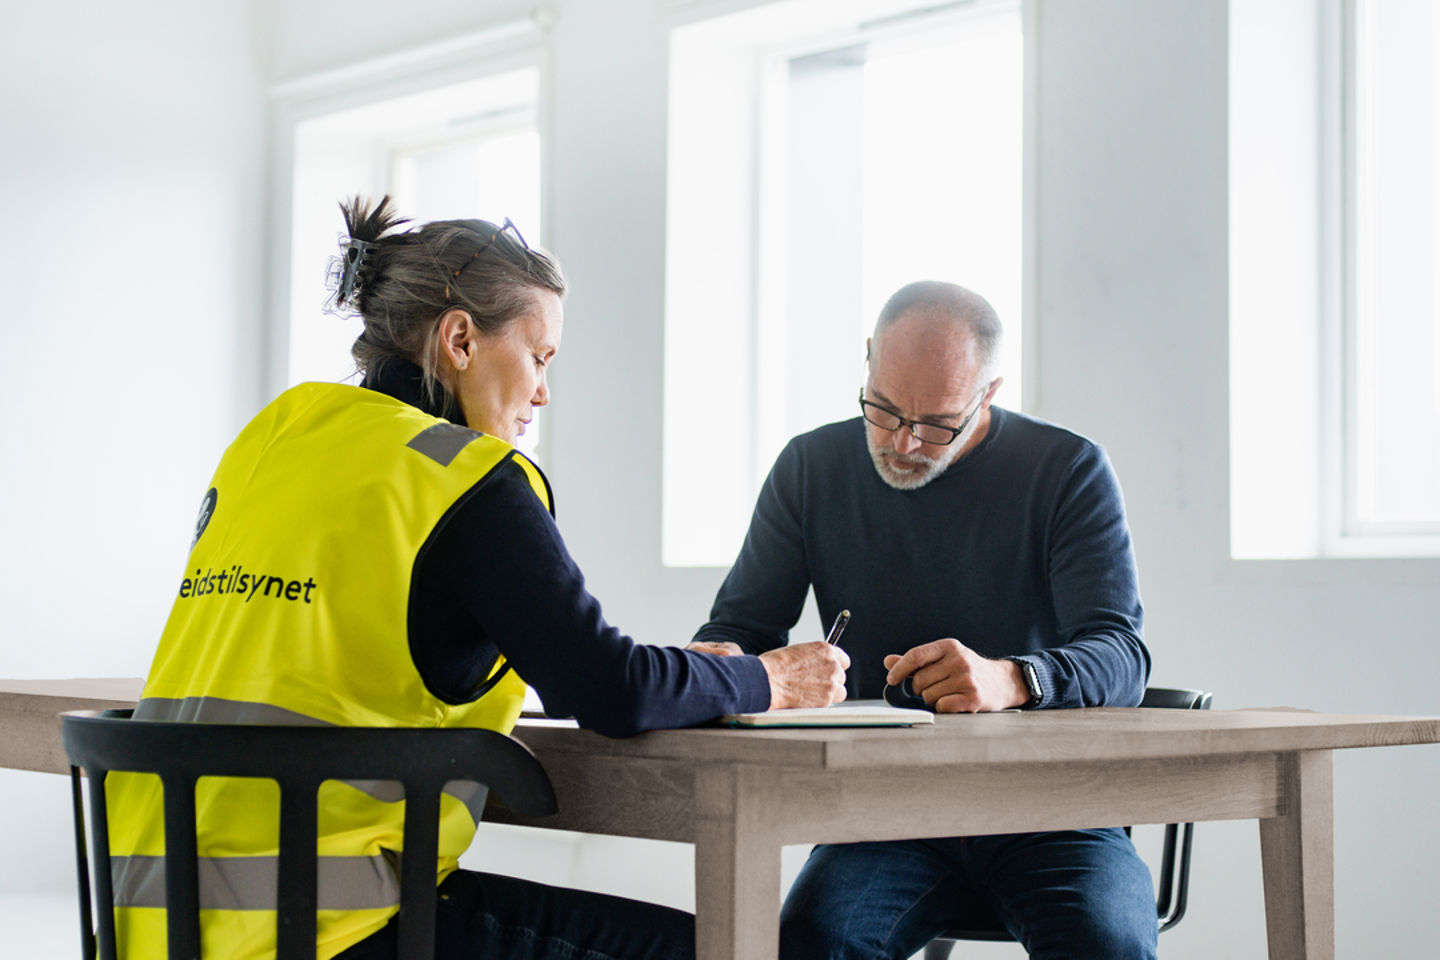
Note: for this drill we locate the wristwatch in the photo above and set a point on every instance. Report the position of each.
(1032, 682)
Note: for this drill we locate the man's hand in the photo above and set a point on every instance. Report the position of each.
(952, 678)
(806, 675)
(721, 648)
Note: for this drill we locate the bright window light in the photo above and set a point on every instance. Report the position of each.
(815, 168)
(1334, 259)
(1277, 302)
(942, 181)
(1395, 439)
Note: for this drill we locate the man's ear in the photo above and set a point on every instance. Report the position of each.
(990, 393)
(456, 339)
(867, 349)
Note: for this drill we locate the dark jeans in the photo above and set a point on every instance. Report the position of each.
(483, 916)
(1077, 895)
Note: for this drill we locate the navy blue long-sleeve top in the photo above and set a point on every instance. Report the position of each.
(1019, 549)
(496, 578)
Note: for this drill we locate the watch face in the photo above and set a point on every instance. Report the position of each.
(1032, 681)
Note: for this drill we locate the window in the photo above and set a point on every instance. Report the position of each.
(815, 167)
(1334, 245)
(1393, 444)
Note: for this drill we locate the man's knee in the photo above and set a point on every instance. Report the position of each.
(1096, 935)
(806, 934)
(845, 903)
(1077, 894)
(814, 919)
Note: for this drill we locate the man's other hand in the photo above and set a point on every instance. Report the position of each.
(721, 648)
(952, 678)
(806, 675)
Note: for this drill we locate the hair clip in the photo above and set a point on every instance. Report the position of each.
(347, 274)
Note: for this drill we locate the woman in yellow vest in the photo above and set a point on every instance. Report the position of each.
(381, 555)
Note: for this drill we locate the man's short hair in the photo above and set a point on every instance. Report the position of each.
(938, 298)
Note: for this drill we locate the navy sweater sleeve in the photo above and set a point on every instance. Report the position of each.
(497, 577)
(1099, 657)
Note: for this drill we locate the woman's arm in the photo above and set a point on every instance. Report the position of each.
(499, 577)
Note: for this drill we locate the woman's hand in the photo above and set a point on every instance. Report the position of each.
(806, 675)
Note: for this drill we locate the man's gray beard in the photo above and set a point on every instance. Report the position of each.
(906, 481)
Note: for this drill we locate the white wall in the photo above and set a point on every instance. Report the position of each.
(1133, 341)
(132, 184)
(1132, 331)
(130, 262)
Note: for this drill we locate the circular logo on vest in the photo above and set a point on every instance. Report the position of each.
(207, 510)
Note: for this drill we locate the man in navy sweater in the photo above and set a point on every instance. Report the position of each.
(985, 558)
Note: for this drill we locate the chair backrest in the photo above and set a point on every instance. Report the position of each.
(1176, 698)
(1173, 887)
(299, 759)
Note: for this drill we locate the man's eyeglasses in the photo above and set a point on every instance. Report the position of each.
(508, 225)
(931, 433)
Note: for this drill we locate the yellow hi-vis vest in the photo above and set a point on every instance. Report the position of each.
(293, 609)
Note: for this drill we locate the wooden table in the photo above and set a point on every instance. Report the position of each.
(29, 730)
(740, 795)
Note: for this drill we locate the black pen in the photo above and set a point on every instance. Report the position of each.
(834, 635)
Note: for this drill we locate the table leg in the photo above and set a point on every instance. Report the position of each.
(1297, 852)
(737, 866)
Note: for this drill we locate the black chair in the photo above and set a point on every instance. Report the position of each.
(1173, 887)
(299, 759)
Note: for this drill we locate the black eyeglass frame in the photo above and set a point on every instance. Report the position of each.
(507, 225)
(954, 432)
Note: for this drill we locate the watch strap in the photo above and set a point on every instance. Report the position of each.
(1032, 682)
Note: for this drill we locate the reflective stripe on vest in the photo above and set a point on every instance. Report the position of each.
(249, 883)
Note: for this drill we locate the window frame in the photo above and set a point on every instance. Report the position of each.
(1344, 532)
(763, 309)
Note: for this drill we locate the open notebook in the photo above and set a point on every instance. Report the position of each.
(853, 713)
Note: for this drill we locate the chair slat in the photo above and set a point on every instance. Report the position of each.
(104, 882)
(298, 872)
(182, 875)
(418, 863)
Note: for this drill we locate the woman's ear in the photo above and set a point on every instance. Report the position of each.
(457, 338)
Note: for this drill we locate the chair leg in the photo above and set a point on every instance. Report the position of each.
(82, 867)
